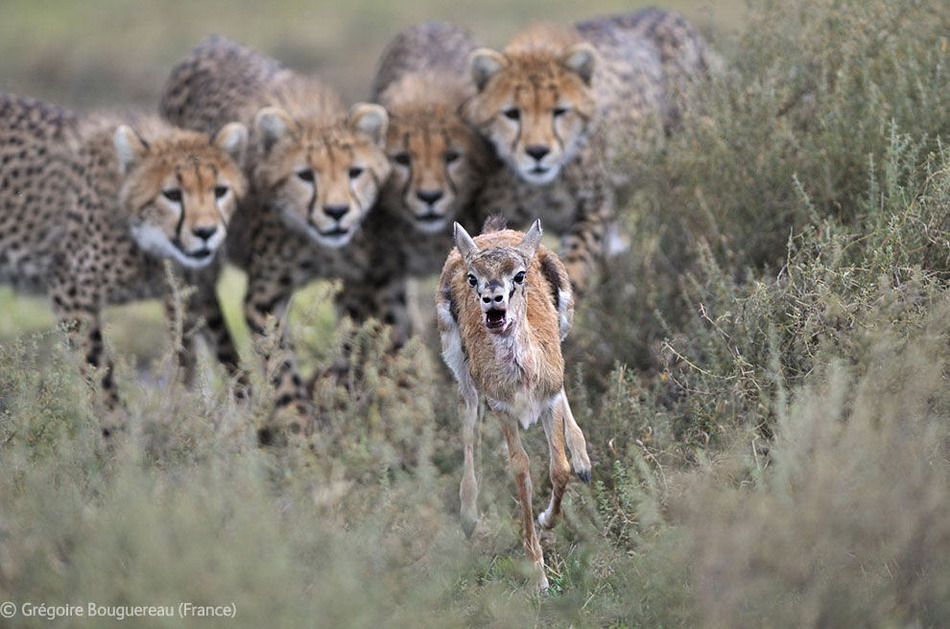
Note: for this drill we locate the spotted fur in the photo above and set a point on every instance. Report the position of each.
(91, 208)
(315, 172)
(561, 106)
(438, 163)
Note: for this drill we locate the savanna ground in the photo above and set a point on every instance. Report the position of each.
(762, 377)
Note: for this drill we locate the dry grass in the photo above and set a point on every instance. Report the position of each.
(763, 384)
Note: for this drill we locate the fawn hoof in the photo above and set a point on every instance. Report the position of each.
(469, 520)
(584, 475)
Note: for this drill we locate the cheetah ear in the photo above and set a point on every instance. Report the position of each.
(232, 139)
(369, 119)
(484, 63)
(531, 240)
(581, 59)
(464, 242)
(130, 148)
(272, 124)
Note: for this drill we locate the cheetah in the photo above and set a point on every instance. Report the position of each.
(438, 163)
(314, 170)
(91, 209)
(561, 105)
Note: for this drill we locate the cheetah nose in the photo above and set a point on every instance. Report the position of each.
(537, 151)
(429, 196)
(336, 211)
(205, 232)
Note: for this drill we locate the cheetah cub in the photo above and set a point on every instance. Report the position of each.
(315, 170)
(438, 164)
(91, 208)
(562, 105)
(504, 305)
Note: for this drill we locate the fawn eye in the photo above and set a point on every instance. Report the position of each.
(172, 194)
(451, 156)
(305, 175)
(472, 280)
(355, 172)
(559, 111)
(512, 113)
(220, 191)
(519, 277)
(402, 159)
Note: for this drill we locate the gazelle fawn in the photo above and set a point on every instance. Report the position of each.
(504, 305)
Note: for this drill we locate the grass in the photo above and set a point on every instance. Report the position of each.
(762, 379)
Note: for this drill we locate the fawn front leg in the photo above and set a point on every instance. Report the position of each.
(468, 490)
(576, 442)
(553, 421)
(521, 470)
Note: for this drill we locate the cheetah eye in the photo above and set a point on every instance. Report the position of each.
(305, 175)
(451, 156)
(559, 111)
(519, 277)
(220, 191)
(355, 172)
(512, 113)
(472, 280)
(172, 194)
(402, 159)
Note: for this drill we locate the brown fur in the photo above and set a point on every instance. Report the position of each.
(87, 217)
(514, 360)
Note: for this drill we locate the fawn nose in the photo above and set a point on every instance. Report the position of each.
(205, 232)
(537, 151)
(335, 212)
(497, 298)
(429, 196)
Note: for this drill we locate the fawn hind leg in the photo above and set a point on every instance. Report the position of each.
(521, 471)
(576, 442)
(468, 489)
(553, 421)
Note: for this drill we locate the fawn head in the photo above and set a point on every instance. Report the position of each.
(497, 277)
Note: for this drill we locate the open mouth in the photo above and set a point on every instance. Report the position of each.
(495, 319)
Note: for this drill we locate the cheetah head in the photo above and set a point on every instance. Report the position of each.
(322, 179)
(180, 188)
(535, 107)
(438, 159)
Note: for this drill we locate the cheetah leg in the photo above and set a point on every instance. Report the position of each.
(84, 334)
(267, 303)
(381, 295)
(559, 469)
(206, 309)
(468, 489)
(583, 246)
(520, 469)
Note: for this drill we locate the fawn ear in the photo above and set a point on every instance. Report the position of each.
(484, 63)
(464, 242)
(531, 240)
(130, 148)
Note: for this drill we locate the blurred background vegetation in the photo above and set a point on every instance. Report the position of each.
(762, 378)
